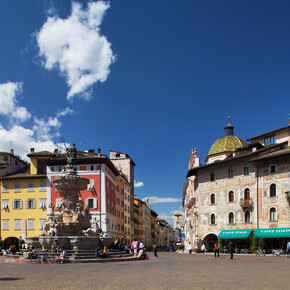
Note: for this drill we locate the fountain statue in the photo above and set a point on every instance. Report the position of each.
(72, 228)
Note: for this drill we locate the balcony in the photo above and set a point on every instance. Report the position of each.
(246, 203)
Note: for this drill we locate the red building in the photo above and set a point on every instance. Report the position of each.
(100, 195)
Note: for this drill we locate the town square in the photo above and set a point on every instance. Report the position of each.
(145, 144)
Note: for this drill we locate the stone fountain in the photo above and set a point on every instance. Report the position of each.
(71, 228)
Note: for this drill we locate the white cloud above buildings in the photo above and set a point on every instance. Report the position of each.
(42, 132)
(8, 103)
(169, 217)
(138, 183)
(156, 199)
(75, 47)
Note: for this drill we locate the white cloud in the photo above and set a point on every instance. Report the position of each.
(138, 183)
(169, 216)
(8, 102)
(76, 47)
(156, 199)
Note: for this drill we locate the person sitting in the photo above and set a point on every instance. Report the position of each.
(104, 253)
(62, 257)
(55, 247)
(27, 254)
(142, 255)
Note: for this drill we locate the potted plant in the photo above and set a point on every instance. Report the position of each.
(254, 244)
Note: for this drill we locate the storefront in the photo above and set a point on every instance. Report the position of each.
(270, 239)
(240, 239)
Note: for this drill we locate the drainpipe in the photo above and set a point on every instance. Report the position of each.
(257, 196)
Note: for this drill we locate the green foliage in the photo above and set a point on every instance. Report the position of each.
(221, 242)
(254, 244)
(20, 243)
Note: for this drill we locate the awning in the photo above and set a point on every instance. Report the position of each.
(234, 234)
(272, 233)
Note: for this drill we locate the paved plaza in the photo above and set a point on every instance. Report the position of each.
(169, 271)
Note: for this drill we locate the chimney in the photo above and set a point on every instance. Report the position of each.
(91, 151)
(31, 150)
(99, 152)
(55, 151)
(12, 151)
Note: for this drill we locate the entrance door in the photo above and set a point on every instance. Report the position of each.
(247, 196)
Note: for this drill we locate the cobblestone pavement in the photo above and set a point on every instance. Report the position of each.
(169, 271)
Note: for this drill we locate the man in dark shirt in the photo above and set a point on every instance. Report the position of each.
(231, 248)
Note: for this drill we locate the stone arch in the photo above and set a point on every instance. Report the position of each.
(10, 241)
(209, 239)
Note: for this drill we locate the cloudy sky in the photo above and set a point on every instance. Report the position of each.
(150, 78)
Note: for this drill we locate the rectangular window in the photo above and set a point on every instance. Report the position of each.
(125, 219)
(5, 225)
(30, 186)
(273, 169)
(231, 173)
(42, 186)
(17, 204)
(91, 185)
(92, 167)
(16, 187)
(58, 202)
(212, 176)
(17, 224)
(108, 205)
(30, 224)
(42, 202)
(5, 187)
(41, 223)
(269, 140)
(4, 203)
(118, 188)
(30, 203)
(246, 170)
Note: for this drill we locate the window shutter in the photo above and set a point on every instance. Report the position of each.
(34, 203)
(13, 204)
(95, 203)
(86, 202)
(26, 203)
(21, 204)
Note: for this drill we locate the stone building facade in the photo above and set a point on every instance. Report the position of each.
(241, 186)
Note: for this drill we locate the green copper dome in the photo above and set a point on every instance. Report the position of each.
(227, 144)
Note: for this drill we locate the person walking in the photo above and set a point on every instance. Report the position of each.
(231, 248)
(154, 246)
(203, 248)
(189, 248)
(135, 247)
(217, 250)
(288, 248)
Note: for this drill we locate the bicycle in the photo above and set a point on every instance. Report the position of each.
(260, 252)
(36, 258)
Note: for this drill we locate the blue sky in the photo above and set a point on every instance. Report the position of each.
(150, 78)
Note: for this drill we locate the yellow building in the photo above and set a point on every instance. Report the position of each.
(23, 200)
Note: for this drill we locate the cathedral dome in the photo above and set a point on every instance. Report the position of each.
(227, 144)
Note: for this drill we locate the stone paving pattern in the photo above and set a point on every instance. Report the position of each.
(169, 271)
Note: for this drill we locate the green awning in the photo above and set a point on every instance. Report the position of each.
(272, 233)
(234, 234)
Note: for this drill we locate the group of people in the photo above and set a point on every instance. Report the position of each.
(12, 249)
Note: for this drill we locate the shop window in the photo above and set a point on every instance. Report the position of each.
(273, 214)
(272, 190)
(247, 217)
(231, 196)
(231, 218)
(212, 198)
(212, 219)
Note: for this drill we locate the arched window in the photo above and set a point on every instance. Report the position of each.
(272, 190)
(273, 214)
(212, 198)
(231, 218)
(247, 217)
(247, 196)
(212, 219)
(231, 196)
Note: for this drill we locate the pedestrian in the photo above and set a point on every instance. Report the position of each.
(217, 250)
(141, 245)
(55, 247)
(231, 248)
(203, 248)
(189, 248)
(135, 247)
(288, 249)
(62, 257)
(154, 246)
